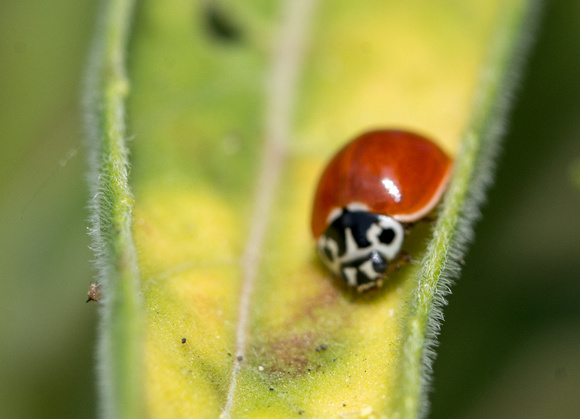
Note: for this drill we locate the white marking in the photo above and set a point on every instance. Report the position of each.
(334, 263)
(374, 232)
(369, 285)
(351, 246)
(357, 206)
(389, 250)
(367, 269)
(350, 274)
(334, 214)
(333, 247)
(392, 189)
(282, 86)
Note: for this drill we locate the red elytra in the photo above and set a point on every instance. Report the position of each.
(392, 172)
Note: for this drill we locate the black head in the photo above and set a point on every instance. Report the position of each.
(358, 246)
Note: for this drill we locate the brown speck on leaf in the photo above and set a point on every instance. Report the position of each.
(94, 293)
(288, 355)
(290, 352)
(183, 340)
(240, 358)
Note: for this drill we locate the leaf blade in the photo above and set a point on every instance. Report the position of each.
(198, 111)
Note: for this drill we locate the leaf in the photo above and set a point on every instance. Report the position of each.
(235, 108)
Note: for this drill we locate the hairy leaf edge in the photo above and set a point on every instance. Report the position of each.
(120, 333)
(460, 210)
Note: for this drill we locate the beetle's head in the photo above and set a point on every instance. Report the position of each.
(358, 246)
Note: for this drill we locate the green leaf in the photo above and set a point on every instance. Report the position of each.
(214, 301)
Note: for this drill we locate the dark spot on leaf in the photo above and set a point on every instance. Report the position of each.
(220, 24)
(322, 347)
(271, 389)
(183, 340)
(240, 358)
(287, 355)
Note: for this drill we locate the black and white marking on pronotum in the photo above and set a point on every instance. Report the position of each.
(359, 245)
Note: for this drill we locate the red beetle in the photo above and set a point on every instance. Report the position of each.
(375, 185)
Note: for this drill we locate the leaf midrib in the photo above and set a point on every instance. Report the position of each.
(285, 69)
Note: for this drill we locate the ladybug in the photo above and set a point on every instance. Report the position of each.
(368, 195)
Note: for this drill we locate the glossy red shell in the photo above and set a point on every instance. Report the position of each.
(395, 173)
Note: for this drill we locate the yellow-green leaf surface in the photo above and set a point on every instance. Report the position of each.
(234, 108)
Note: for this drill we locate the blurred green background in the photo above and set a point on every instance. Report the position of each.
(511, 340)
